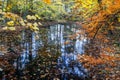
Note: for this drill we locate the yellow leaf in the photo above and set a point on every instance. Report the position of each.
(39, 23)
(35, 28)
(10, 23)
(22, 23)
(7, 15)
(11, 28)
(29, 17)
(28, 25)
(37, 16)
(34, 17)
(118, 17)
(35, 24)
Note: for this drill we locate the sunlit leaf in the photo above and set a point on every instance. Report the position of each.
(39, 23)
(34, 17)
(11, 28)
(22, 23)
(35, 24)
(10, 23)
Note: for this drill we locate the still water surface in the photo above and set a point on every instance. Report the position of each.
(55, 39)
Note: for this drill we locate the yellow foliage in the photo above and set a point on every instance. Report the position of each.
(11, 16)
(9, 7)
(8, 15)
(29, 17)
(35, 24)
(33, 27)
(118, 19)
(86, 7)
(10, 23)
(37, 16)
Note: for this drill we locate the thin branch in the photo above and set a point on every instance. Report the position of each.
(96, 31)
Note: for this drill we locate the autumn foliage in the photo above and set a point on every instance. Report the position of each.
(98, 18)
(100, 29)
(47, 1)
(102, 17)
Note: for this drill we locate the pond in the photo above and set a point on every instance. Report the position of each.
(51, 53)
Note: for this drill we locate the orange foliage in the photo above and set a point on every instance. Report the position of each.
(103, 59)
(47, 1)
(108, 49)
(98, 27)
(105, 40)
(102, 16)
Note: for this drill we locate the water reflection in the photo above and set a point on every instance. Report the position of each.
(67, 62)
(57, 35)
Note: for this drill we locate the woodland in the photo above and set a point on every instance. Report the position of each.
(32, 26)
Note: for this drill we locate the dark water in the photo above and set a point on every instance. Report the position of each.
(57, 53)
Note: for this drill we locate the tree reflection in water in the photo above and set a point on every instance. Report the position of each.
(46, 56)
